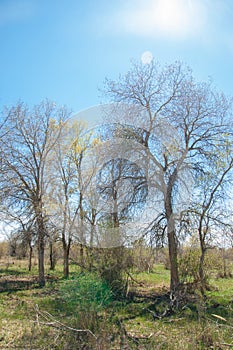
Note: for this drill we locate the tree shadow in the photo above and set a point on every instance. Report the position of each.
(12, 272)
(12, 283)
(15, 281)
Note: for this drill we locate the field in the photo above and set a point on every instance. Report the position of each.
(81, 313)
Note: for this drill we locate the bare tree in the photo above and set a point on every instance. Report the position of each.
(22, 228)
(65, 195)
(27, 146)
(210, 212)
(182, 121)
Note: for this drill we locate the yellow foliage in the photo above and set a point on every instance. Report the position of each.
(95, 142)
(78, 148)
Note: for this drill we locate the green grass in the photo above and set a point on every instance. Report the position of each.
(201, 324)
(158, 276)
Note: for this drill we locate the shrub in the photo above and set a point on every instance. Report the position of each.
(111, 264)
(189, 264)
(83, 298)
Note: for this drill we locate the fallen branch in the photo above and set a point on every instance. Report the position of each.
(131, 335)
(134, 280)
(52, 322)
(226, 344)
(219, 317)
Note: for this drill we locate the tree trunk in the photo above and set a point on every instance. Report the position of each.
(66, 263)
(201, 272)
(41, 259)
(66, 254)
(81, 252)
(172, 243)
(81, 257)
(41, 244)
(52, 257)
(30, 258)
(201, 267)
(90, 249)
(202, 256)
(224, 263)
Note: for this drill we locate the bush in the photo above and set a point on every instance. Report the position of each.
(3, 249)
(111, 264)
(189, 264)
(80, 308)
(84, 297)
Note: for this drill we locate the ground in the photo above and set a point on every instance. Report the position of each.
(35, 318)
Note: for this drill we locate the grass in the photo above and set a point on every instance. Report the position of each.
(26, 314)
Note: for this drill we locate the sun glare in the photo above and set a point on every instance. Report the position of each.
(171, 18)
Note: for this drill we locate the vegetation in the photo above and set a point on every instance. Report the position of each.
(119, 237)
(82, 313)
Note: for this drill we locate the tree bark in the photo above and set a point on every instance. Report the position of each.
(66, 254)
(51, 256)
(172, 245)
(41, 244)
(172, 242)
(41, 260)
(30, 258)
(202, 256)
(81, 252)
(66, 263)
(201, 272)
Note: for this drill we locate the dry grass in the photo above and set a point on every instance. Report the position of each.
(128, 324)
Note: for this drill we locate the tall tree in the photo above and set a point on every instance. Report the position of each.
(210, 212)
(182, 121)
(26, 151)
(65, 195)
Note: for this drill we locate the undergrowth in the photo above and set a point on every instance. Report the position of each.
(82, 313)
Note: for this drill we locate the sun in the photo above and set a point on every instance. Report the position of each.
(173, 19)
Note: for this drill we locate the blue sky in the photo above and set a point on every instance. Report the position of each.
(63, 49)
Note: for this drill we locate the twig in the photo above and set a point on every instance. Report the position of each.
(52, 322)
(226, 344)
(153, 313)
(224, 325)
(133, 279)
(139, 336)
(127, 335)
